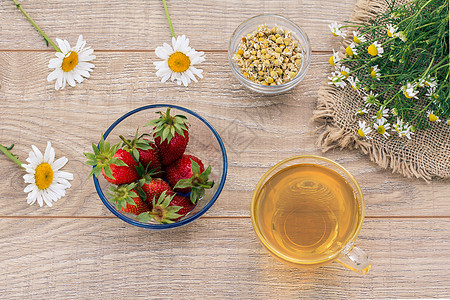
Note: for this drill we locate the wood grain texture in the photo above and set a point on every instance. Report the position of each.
(131, 25)
(213, 258)
(79, 250)
(257, 131)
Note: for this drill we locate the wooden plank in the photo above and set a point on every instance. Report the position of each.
(137, 24)
(217, 258)
(258, 131)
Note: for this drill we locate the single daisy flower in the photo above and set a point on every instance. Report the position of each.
(334, 59)
(72, 64)
(351, 50)
(381, 126)
(403, 130)
(363, 130)
(362, 111)
(382, 114)
(337, 79)
(394, 111)
(178, 61)
(375, 49)
(358, 38)
(336, 29)
(47, 183)
(375, 72)
(344, 71)
(429, 81)
(370, 99)
(392, 31)
(410, 91)
(354, 81)
(431, 93)
(432, 117)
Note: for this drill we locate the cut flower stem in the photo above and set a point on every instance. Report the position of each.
(10, 155)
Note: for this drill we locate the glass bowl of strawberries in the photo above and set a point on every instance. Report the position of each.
(159, 166)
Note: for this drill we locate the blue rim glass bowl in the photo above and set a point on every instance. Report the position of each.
(270, 20)
(204, 142)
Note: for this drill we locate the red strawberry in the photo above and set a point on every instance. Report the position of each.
(122, 174)
(171, 136)
(188, 175)
(127, 199)
(137, 209)
(150, 158)
(117, 165)
(185, 203)
(143, 151)
(181, 169)
(167, 209)
(155, 188)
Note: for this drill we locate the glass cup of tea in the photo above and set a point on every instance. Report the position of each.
(308, 210)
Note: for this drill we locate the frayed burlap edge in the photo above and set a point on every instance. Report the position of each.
(335, 137)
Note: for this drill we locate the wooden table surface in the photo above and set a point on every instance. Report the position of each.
(78, 249)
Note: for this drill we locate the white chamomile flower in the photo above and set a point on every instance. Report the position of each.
(432, 117)
(375, 72)
(354, 81)
(178, 61)
(431, 93)
(358, 38)
(351, 50)
(403, 130)
(370, 99)
(337, 79)
(392, 31)
(429, 81)
(334, 60)
(382, 114)
(363, 130)
(344, 71)
(361, 111)
(381, 126)
(336, 29)
(375, 49)
(410, 90)
(72, 63)
(47, 184)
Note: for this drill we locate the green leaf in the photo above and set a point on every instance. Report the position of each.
(144, 217)
(141, 193)
(165, 134)
(183, 183)
(195, 167)
(194, 196)
(118, 162)
(108, 172)
(135, 154)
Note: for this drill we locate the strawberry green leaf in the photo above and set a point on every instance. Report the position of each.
(108, 172)
(183, 183)
(144, 217)
(195, 167)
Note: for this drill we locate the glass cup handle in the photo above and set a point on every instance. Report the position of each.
(355, 259)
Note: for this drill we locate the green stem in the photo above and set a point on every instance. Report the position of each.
(10, 155)
(168, 18)
(49, 41)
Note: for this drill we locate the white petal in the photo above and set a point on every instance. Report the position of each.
(48, 152)
(191, 75)
(62, 46)
(38, 153)
(65, 175)
(163, 52)
(39, 198)
(53, 75)
(54, 63)
(46, 198)
(85, 65)
(30, 188)
(196, 71)
(70, 79)
(29, 178)
(59, 163)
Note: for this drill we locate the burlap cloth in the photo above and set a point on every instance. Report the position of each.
(425, 156)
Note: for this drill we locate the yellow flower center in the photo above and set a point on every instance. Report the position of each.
(345, 74)
(389, 34)
(335, 34)
(361, 132)
(70, 61)
(360, 112)
(373, 74)
(331, 60)
(372, 50)
(379, 114)
(355, 87)
(448, 122)
(381, 129)
(407, 95)
(179, 62)
(356, 39)
(43, 176)
(349, 51)
(432, 118)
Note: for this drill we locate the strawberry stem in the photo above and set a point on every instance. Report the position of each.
(125, 141)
